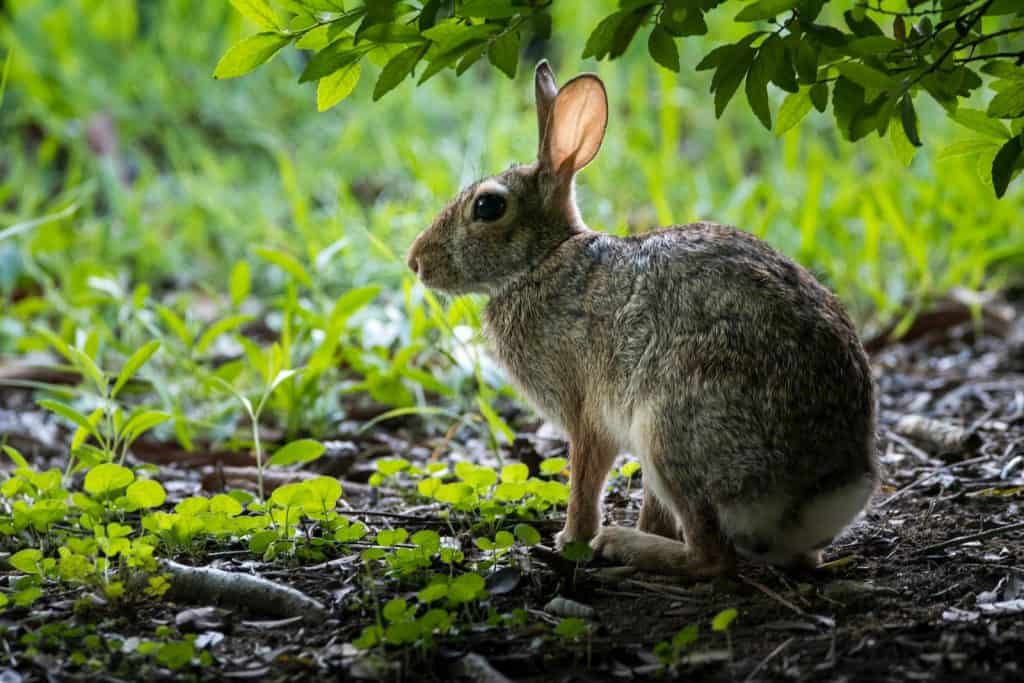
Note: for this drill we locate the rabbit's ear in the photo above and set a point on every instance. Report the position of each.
(576, 126)
(545, 90)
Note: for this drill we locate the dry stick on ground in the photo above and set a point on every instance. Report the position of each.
(823, 621)
(207, 585)
(936, 433)
(928, 477)
(764, 662)
(970, 537)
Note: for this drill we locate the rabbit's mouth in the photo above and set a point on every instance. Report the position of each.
(432, 274)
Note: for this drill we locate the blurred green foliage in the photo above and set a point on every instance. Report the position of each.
(141, 199)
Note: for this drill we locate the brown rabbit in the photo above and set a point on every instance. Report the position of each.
(731, 373)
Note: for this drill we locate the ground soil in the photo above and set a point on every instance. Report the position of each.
(895, 601)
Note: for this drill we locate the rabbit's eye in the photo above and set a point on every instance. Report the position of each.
(488, 207)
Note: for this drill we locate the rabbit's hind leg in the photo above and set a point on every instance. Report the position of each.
(656, 518)
(704, 554)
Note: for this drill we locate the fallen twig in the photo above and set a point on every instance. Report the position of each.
(824, 621)
(1006, 528)
(764, 662)
(928, 477)
(937, 433)
(208, 585)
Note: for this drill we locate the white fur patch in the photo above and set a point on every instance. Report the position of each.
(821, 519)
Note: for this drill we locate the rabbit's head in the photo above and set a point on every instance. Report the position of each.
(502, 227)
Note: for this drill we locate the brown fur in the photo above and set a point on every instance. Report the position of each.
(728, 369)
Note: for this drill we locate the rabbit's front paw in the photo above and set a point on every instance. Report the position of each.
(567, 536)
(618, 544)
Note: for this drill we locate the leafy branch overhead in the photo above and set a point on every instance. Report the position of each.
(870, 59)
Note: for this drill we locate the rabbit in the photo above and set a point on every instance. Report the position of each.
(728, 370)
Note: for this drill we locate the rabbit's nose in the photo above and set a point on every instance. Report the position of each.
(413, 262)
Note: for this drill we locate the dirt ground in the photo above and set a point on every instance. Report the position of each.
(929, 585)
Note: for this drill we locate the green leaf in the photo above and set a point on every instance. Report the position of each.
(778, 63)
(979, 121)
(728, 78)
(427, 540)
(390, 537)
(901, 146)
(142, 422)
(249, 53)
(504, 540)
(683, 18)
(470, 58)
(819, 96)
(757, 90)
(397, 68)
(516, 473)
(332, 58)
(578, 551)
(146, 493)
(389, 33)
(454, 493)
(553, 466)
(107, 478)
(865, 76)
(177, 325)
(432, 593)
(466, 588)
(509, 492)
(13, 454)
(662, 47)
(257, 11)
(452, 33)
(723, 619)
(872, 45)
(26, 560)
(847, 101)
(303, 450)
(807, 62)
(685, 637)
(222, 326)
(599, 43)
(240, 282)
(132, 365)
(487, 9)
(571, 627)
(1008, 104)
(391, 466)
(224, 504)
(964, 148)
(394, 609)
(332, 89)
(176, 653)
(287, 263)
(1004, 69)
(445, 59)
(526, 534)
(909, 119)
(630, 468)
(627, 28)
(494, 421)
(68, 413)
(504, 53)
(1004, 163)
(765, 9)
